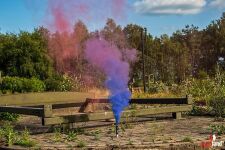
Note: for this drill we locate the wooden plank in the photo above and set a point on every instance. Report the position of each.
(23, 110)
(34, 99)
(181, 100)
(81, 117)
(159, 101)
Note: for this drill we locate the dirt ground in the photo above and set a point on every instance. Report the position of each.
(162, 133)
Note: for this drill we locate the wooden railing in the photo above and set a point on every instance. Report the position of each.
(45, 104)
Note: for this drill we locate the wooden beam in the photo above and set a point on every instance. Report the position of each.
(180, 100)
(23, 110)
(159, 101)
(35, 99)
(82, 117)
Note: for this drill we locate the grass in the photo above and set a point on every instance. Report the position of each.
(25, 140)
(187, 139)
(130, 142)
(57, 135)
(9, 134)
(71, 136)
(81, 144)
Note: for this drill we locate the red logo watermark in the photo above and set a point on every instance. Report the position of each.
(211, 142)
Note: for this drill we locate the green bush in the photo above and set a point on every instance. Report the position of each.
(157, 87)
(59, 83)
(201, 90)
(218, 106)
(17, 84)
(8, 116)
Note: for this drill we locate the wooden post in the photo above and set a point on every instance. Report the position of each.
(189, 99)
(0, 77)
(47, 112)
(177, 115)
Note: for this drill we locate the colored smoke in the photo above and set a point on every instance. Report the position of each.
(109, 59)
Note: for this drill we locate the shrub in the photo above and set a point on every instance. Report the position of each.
(17, 84)
(217, 129)
(201, 90)
(8, 116)
(59, 83)
(157, 87)
(218, 106)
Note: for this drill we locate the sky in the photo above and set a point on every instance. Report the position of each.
(158, 16)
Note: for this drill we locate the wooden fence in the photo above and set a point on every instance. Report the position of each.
(45, 104)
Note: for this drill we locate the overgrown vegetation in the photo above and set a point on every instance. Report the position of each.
(217, 129)
(9, 116)
(25, 140)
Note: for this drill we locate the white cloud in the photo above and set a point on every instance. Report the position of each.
(165, 7)
(217, 3)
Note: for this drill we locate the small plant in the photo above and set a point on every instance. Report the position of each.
(79, 131)
(97, 135)
(9, 134)
(25, 140)
(57, 134)
(72, 136)
(130, 142)
(81, 144)
(218, 129)
(111, 129)
(187, 139)
(9, 116)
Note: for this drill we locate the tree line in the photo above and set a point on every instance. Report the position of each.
(189, 52)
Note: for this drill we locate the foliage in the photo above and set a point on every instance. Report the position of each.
(24, 139)
(9, 134)
(81, 144)
(201, 110)
(157, 87)
(187, 139)
(9, 116)
(218, 105)
(59, 83)
(25, 55)
(57, 134)
(217, 129)
(201, 90)
(71, 136)
(18, 84)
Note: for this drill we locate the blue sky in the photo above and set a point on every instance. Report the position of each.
(159, 16)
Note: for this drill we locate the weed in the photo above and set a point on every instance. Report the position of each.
(187, 139)
(9, 134)
(81, 144)
(25, 139)
(57, 134)
(79, 131)
(9, 116)
(130, 142)
(218, 129)
(72, 136)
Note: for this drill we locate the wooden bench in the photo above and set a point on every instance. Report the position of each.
(45, 104)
